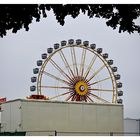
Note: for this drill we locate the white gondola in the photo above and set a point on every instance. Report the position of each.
(99, 50)
(32, 88)
(35, 70)
(117, 76)
(86, 43)
(110, 62)
(93, 46)
(33, 79)
(70, 41)
(114, 69)
(120, 93)
(78, 41)
(63, 43)
(50, 50)
(56, 46)
(119, 101)
(105, 55)
(119, 85)
(39, 62)
(44, 56)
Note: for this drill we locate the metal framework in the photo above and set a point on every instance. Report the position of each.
(78, 75)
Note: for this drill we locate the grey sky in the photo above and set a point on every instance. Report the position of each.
(19, 52)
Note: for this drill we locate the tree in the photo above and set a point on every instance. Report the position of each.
(16, 17)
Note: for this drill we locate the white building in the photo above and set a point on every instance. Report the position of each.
(0, 121)
(63, 118)
(132, 127)
(34, 116)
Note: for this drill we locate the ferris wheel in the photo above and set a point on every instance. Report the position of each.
(76, 71)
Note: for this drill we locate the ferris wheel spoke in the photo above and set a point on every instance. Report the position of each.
(99, 81)
(77, 97)
(56, 78)
(85, 98)
(99, 98)
(66, 63)
(56, 87)
(60, 70)
(74, 61)
(74, 97)
(70, 96)
(97, 89)
(82, 62)
(90, 66)
(89, 98)
(96, 72)
(60, 95)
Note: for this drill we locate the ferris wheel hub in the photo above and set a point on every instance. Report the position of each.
(81, 88)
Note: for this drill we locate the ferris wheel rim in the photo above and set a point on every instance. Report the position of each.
(85, 48)
(85, 87)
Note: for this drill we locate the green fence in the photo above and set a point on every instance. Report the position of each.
(12, 133)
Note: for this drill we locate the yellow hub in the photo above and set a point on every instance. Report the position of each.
(81, 88)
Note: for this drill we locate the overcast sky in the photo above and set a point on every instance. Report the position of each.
(19, 52)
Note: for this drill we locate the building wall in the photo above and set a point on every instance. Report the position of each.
(0, 121)
(11, 116)
(0, 117)
(132, 126)
(38, 117)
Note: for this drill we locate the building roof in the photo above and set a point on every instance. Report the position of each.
(65, 102)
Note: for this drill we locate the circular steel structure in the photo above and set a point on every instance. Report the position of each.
(76, 71)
